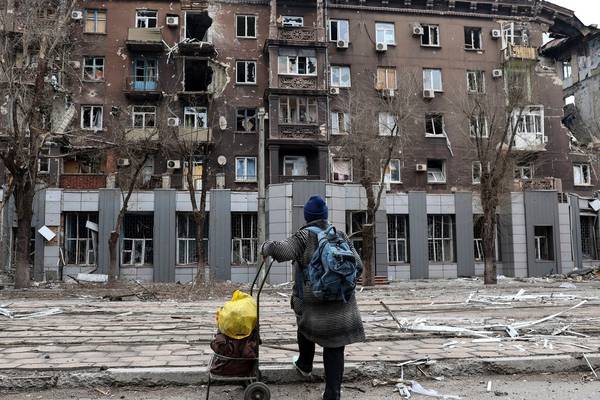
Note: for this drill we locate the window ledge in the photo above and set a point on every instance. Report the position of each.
(246, 37)
(334, 181)
(95, 33)
(431, 46)
(475, 50)
(436, 183)
(246, 84)
(436, 136)
(300, 75)
(587, 185)
(248, 181)
(94, 81)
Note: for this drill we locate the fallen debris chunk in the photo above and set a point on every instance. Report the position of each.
(590, 365)
(98, 278)
(522, 325)
(489, 386)
(38, 314)
(418, 389)
(568, 285)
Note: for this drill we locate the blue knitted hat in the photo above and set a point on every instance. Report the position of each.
(315, 209)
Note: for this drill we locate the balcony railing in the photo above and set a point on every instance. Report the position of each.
(82, 181)
(195, 135)
(142, 134)
(292, 178)
(144, 39)
(299, 131)
(517, 52)
(538, 184)
(297, 34)
(297, 82)
(142, 87)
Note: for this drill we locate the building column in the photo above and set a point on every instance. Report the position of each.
(323, 163)
(219, 235)
(576, 231)
(273, 164)
(39, 211)
(165, 235)
(109, 205)
(417, 225)
(381, 250)
(273, 20)
(465, 259)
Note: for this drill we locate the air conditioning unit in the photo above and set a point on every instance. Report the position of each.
(496, 33)
(497, 73)
(428, 94)
(380, 46)
(173, 164)
(421, 167)
(173, 121)
(76, 15)
(418, 30)
(342, 44)
(334, 90)
(172, 20)
(123, 162)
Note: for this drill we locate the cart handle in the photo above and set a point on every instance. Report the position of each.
(258, 271)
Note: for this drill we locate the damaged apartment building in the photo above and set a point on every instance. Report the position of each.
(216, 66)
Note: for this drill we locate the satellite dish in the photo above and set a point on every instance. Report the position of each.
(222, 160)
(222, 123)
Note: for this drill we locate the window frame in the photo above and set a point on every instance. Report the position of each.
(341, 71)
(474, 128)
(143, 241)
(144, 115)
(245, 119)
(428, 76)
(476, 166)
(335, 122)
(387, 171)
(294, 108)
(519, 169)
(85, 245)
(395, 240)
(189, 240)
(478, 79)
(294, 158)
(144, 20)
(245, 178)
(92, 107)
(383, 126)
(471, 46)
(245, 17)
(447, 236)
(584, 182)
(291, 24)
(567, 69)
(548, 240)
(94, 67)
(245, 63)
(438, 177)
(292, 68)
(96, 12)
(431, 118)
(44, 161)
(529, 118)
(386, 72)
(241, 241)
(195, 112)
(429, 28)
(333, 173)
(384, 29)
(338, 21)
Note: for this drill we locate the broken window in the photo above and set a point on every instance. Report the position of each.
(292, 21)
(524, 171)
(80, 240)
(341, 169)
(589, 248)
(397, 236)
(246, 120)
(354, 225)
(197, 167)
(529, 126)
(297, 110)
(91, 117)
(95, 21)
(476, 172)
(432, 79)
(297, 65)
(387, 124)
(93, 68)
(582, 174)
(197, 75)
(245, 26)
(392, 171)
(477, 237)
(245, 169)
(431, 35)
(44, 161)
(244, 242)
(145, 74)
(146, 18)
(567, 69)
(186, 239)
(138, 232)
(478, 126)
(143, 117)
(513, 34)
(195, 117)
(440, 237)
(339, 30)
(386, 78)
(544, 245)
(340, 123)
(295, 166)
(81, 164)
(197, 25)
(436, 171)
(340, 76)
(384, 33)
(245, 72)
(473, 38)
(434, 125)
(476, 81)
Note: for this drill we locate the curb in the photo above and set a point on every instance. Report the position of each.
(279, 374)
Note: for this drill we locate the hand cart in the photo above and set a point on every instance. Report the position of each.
(254, 388)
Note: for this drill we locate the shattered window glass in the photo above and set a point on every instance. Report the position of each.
(195, 117)
(91, 117)
(294, 65)
(146, 18)
(434, 125)
(246, 72)
(93, 68)
(473, 38)
(144, 117)
(246, 120)
(397, 238)
(246, 26)
(440, 238)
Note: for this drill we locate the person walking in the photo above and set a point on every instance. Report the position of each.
(332, 324)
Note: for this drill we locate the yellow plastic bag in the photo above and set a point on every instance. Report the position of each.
(237, 318)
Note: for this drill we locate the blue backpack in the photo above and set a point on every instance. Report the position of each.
(333, 268)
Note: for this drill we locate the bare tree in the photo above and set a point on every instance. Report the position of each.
(499, 131)
(34, 50)
(378, 131)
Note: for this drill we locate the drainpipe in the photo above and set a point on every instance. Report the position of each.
(261, 182)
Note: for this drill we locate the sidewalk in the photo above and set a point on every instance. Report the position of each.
(133, 340)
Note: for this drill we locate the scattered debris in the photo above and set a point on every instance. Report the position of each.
(489, 386)
(567, 285)
(590, 365)
(406, 391)
(97, 278)
(38, 314)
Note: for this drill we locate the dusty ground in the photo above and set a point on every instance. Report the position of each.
(543, 387)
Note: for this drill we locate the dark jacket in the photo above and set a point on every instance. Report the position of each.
(327, 323)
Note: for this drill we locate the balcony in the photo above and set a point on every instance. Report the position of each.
(297, 82)
(523, 53)
(530, 141)
(144, 39)
(300, 131)
(142, 134)
(142, 88)
(195, 135)
(192, 47)
(296, 36)
(523, 185)
(292, 178)
(82, 181)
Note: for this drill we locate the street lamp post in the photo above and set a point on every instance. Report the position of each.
(261, 181)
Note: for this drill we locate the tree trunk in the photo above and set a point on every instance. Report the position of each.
(24, 204)
(203, 274)
(368, 235)
(113, 260)
(489, 201)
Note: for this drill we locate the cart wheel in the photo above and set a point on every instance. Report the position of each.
(257, 391)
